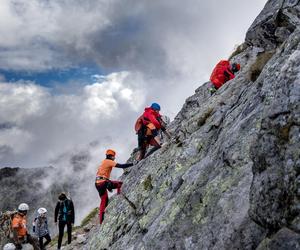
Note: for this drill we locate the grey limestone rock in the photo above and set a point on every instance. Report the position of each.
(229, 179)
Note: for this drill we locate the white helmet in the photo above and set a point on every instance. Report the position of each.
(9, 246)
(23, 207)
(42, 210)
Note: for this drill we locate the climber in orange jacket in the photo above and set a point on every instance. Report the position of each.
(103, 183)
(147, 127)
(223, 72)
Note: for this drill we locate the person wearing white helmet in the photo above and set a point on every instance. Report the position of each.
(9, 246)
(19, 227)
(40, 227)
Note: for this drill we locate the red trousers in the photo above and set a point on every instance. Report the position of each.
(102, 188)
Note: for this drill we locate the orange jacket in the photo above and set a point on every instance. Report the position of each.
(19, 223)
(221, 74)
(105, 168)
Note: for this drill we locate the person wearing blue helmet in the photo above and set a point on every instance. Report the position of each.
(147, 127)
(155, 106)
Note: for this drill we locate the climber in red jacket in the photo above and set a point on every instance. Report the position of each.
(147, 127)
(223, 72)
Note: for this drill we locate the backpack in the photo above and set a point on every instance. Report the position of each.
(219, 69)
(138, 124)
(6, 223)
(64, 210)
(40, 225)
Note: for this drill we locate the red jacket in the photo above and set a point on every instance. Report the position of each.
(152, 116)
(221, 74)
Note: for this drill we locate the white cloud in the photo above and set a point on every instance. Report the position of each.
(16, 139)
(21, 101)
(46, 125)
(101, 98)
(152, 36)
(38, 34)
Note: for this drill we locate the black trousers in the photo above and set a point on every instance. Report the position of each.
(61, 228)
(48, 240)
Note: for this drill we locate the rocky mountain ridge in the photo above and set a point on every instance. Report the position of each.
(230, 177)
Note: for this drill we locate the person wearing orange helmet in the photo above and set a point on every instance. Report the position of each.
(103, 182)
(223, 72)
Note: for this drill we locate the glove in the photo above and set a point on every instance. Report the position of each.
(212, 90)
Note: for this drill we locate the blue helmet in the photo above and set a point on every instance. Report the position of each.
(155, 106)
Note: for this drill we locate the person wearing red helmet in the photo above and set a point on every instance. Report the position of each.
(147, 127)
(223, 72)
(103, 182)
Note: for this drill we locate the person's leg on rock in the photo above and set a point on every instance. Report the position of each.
(69, 230)
(33, 241)
(61, 228)
(101, 187)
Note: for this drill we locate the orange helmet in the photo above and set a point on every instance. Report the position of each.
(110, 152)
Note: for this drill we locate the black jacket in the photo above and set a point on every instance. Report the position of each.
(64, 211)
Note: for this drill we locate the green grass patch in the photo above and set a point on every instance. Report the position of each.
(89, 217)
(147, 183)
(238, 50)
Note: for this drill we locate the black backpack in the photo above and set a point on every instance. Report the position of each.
(65, 210)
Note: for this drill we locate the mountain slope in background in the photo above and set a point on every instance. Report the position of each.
(39, 187)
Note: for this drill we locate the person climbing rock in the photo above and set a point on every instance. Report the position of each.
(147, 127)
(103, 183)
(40, 228)
(223, 72)
(65, 214)
(19, 228)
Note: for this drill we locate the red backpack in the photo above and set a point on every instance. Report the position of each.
(217, 76)
(219, 69)
(138, 124)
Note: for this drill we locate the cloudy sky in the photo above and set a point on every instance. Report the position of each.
(76, 74)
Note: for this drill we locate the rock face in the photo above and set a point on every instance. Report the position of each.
(274, 25)
(230, 177)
